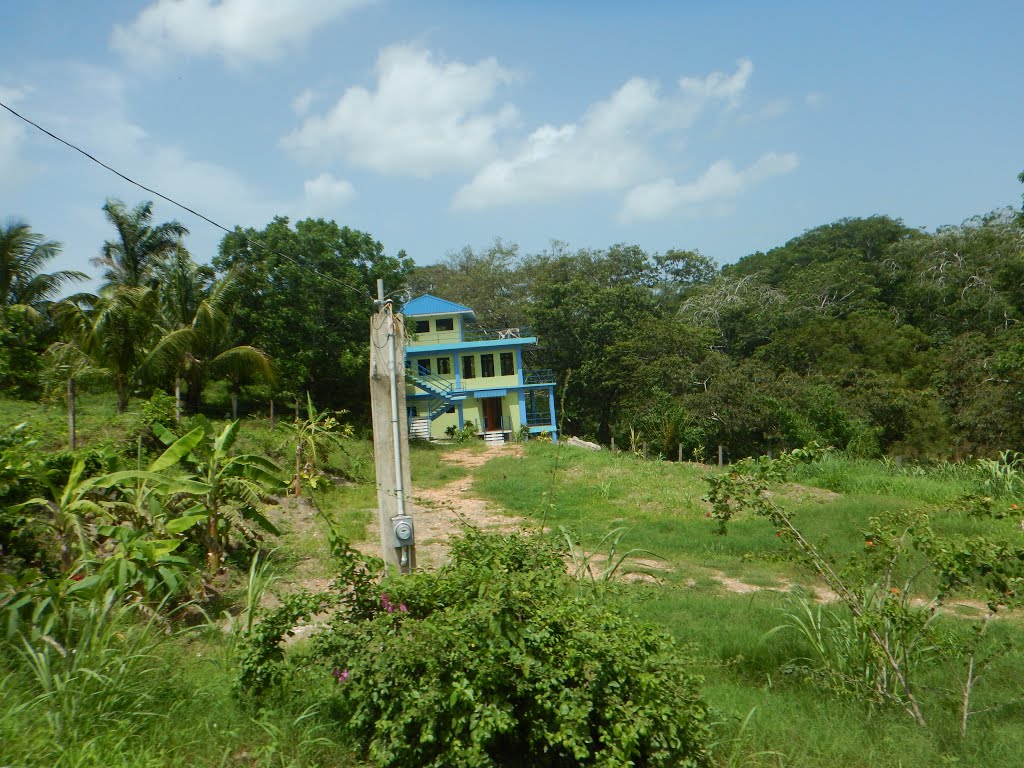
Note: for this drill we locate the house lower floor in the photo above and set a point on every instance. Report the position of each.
(499, 415)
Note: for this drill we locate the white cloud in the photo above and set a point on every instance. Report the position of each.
(325, 194)
(599, 153)
(236, 30)
(614, 144)
(425, 116)
(720, 181)
(302, 102)
(719, 86)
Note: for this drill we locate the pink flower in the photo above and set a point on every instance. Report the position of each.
(402, 607)
(386, 604)
(341, 675)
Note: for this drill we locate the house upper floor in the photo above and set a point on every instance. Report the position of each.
(443, 324)
(446, 343)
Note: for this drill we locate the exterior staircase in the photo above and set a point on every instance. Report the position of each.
(443, 396)
(419, 428)
(494, 438)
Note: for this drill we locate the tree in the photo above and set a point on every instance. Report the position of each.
(197, 339)
(581, 305)
(304, 296)
(488, 281)
(126, 317)
(26, 294)
(121, 326)
(129, 260)
(24, 287)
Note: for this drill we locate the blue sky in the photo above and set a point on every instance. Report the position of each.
(726, 127)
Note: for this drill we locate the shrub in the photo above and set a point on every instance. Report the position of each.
(498, 660)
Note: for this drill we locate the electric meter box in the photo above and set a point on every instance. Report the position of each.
(402, 530)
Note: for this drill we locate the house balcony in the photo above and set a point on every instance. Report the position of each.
(538, 376)
(542, 419)
(474, 333)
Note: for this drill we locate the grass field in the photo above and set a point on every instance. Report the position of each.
(176, 707)
(768, 716)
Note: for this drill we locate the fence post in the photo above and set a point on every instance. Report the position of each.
(680, 453)
(645, 450)
(721, 456)
(613, 443)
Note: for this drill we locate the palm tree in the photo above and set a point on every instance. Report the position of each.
(121, 326)
(127, 316)
(196, 344)
(24, 288)
(130, 260)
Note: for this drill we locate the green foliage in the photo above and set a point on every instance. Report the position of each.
(878, 643)
(292, 302)
(87, 661)
(466, 434)
(420, 673)
(1004, 475)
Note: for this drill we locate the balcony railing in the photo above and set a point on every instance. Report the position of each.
(538, 376)
(538, 419)
(473, 333)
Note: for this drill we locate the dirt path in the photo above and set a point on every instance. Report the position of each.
(441, 512)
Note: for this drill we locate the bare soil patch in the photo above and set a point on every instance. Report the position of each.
(438, 513)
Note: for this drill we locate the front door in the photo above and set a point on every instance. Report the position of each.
(492, 414)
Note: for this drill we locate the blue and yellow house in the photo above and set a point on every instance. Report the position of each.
(458, 374)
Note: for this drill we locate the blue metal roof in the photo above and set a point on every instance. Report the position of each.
(431, 305)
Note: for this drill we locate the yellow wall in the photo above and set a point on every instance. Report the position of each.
(497, 381)
(418, 360)
(438, 337)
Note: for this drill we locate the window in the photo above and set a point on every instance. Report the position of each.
(444, 365)
(468, 370)
(486, 365)
(425, 364)
(507, 366)
(422, 326)
(444, 324)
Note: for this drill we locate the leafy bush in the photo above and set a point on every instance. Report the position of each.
(498, 660)
(468, 432)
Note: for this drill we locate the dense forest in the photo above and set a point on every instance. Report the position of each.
(864, 334)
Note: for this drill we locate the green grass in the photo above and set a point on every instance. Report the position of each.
(428, 467)
(792, 721)
(765, 714)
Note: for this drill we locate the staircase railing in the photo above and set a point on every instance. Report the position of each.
(428, 380)
(443, 390)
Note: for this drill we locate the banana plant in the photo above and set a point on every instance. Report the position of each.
(314, 437)
(229, 490)
(148, 498)
(70, 514)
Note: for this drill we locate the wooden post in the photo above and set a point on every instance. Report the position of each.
(680, 453)
(613, 443)
(383, 440)
(645, 450)
(71, 412)
(721, 456)
(271, 414)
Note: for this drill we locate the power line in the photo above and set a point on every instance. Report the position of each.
(184, 207)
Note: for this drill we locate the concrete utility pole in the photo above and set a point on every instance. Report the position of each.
(390, 434)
